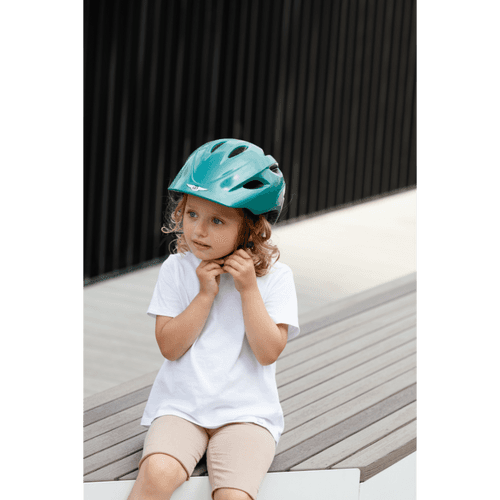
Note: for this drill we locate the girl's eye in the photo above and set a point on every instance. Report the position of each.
(192, 214)
(217, 221)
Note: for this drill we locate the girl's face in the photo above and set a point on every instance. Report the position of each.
(211, 230)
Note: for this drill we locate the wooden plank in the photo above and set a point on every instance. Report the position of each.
(351, 360)
(360, 440)
(331, 340)
(127, 468)
(119, 391)
(113, 421)
(383, 453)
(111, 455)
(359, 302)
(113, 471)
(348, 348)
(402, 286)
(115, 406)
(284, 461)
(199, 470)
(322, 422)
(339, 397)
(113, 437)
(348, 377)
(401, 303)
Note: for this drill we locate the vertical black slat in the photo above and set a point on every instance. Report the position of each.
(401, 84)
(188, 78)
(383, 99)
(191, 80)
(358, 67)
(319, 105)
(333, 180)
(94, 195)
(201, 86)
(135, 181)
(114, 229)
(151, 139)
(104, 253)
(123, 124)
(163, 168)
(280, 107)
(331, 82)
(215, 91)
(309, 165)
(292, 194)
(290, 103)
(279, 136)
(131, 89)
(374, 100)
(298, 169)
(241, 65)
(406, 133)
(229, 51)
(272, 80)
(367, 74)
(355, 147)
(393, 91)
(249, 97)
(412, 163)
(179, 46)
(261, 79)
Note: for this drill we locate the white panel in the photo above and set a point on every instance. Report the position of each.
(397, 482)
(342, 484)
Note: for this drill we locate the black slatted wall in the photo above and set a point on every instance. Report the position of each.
(325, 86)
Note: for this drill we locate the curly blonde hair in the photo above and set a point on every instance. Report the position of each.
(254, 228)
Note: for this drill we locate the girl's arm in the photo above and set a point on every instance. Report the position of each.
(176, 335)
(266, 338)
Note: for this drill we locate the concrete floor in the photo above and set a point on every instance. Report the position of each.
(332, 256)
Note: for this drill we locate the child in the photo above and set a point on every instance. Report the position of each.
(224, 310)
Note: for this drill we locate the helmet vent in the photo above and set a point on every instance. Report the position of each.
(275, 169)
(255, 184)
(237, 151)
(217, 146)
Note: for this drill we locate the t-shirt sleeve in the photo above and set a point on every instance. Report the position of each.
(167, 300)
(281, 300)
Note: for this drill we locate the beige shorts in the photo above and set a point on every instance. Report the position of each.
(238, 455)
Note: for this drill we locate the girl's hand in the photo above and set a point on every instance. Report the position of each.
(241, 267)
(208, 273)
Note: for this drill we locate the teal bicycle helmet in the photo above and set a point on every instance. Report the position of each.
(236, 174)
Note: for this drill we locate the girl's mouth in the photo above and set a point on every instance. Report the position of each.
(201, 246)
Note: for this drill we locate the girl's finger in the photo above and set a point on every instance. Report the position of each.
(245, 254)
(235, 264)
(210, 266)
(239, 260)
(228, 267)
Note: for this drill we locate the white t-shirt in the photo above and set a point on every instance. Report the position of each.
(219, 380)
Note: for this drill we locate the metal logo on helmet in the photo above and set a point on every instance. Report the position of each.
(196, 188)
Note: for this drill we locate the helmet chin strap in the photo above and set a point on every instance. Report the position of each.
(249, 245)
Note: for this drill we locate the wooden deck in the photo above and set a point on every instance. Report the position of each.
(347, 386)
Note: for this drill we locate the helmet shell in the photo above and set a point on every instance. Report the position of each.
(234, 173)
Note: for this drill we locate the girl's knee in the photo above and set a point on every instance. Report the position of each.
(162, 473)
(231, 494)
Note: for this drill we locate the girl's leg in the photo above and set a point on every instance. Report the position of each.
(159, 476)
(230, 494)
(238, 458)
(172, 448)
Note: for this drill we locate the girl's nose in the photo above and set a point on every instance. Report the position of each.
(201, 228)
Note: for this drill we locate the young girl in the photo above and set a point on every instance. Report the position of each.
(224, 311)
